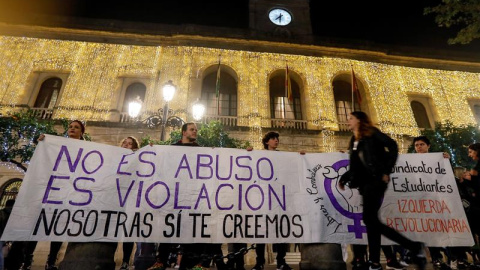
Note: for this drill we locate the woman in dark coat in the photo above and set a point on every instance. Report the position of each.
(372, 157)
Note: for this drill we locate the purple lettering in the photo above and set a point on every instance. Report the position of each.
(207, 165)
(216, 197)
(50, 187)
(203, 195)
(262, 195)
(71, 166)
(240, 202)
(122, 202)
(175, 204)
(89, 192)
(139, 194)
(271, 169)
(187, 166)
(147, 198)
(270, 192)
(230, 170)
(86, 156)
(147, 162)
(243, 166)
(123, 162)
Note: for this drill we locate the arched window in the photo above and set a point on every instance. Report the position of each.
(342, 92)
(420, 114)
(9, 190)
(133, 91)
(227, 103)
(476, 112)
(48, 93)
(280, 106)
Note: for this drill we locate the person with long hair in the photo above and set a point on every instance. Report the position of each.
(131, 143)
(76, 130)
(372, 157)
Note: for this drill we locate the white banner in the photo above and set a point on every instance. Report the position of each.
(82, 192)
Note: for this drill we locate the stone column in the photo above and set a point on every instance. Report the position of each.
(322, 257)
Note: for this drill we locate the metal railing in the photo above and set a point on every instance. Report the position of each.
(229, 121)
(43, 113)
(289, 123)
(343, 126)
(125, 118)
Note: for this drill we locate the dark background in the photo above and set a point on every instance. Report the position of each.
(380, 23)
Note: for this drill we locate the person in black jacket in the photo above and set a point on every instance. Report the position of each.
(474, 153)
(270, 142)
(422, 146)
(4, 215)
(372, 157)
(193, 254)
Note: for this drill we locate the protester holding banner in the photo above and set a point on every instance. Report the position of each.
(270, 142)
(129, 142)
(4, 215)
(474, 153)
(75, 130)
(193, 254)
(372, 157)
(471, 205)
(422, 146)
(76, 252)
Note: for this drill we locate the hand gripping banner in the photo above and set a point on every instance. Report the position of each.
(81, 191)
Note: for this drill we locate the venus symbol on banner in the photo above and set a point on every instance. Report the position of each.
(331, 179)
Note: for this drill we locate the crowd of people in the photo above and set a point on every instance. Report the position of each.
(372, 157)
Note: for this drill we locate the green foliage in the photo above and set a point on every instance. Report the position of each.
(209, 135)
(454, 140)
(17, 134)
(463, 13)
(214, 135)
(175, 135)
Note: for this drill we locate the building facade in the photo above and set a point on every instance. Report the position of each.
(93, 73)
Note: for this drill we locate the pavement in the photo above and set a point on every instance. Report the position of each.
(42, 251)
(267, 267)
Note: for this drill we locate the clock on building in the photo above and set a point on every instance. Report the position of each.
(280, 16)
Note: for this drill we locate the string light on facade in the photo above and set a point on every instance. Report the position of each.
(96, 72)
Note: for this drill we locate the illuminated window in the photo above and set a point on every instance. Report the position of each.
(133, 91)
(227, 102)
(280, 106)
(342, 92)
(48, 94)
(9, 190)
(476, 112)
(420, 114)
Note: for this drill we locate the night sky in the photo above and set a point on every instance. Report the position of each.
(399, 23)
(384, 22)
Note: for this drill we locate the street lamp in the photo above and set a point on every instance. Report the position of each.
(198, 109)
(134, 107)
(168, 93)
(161, 117)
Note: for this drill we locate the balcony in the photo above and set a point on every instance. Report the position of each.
(289, 123)
(227, 121)
(125, 118)
(343, 126)
(42, 113)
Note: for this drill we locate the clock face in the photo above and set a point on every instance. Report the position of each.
(280, 16)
